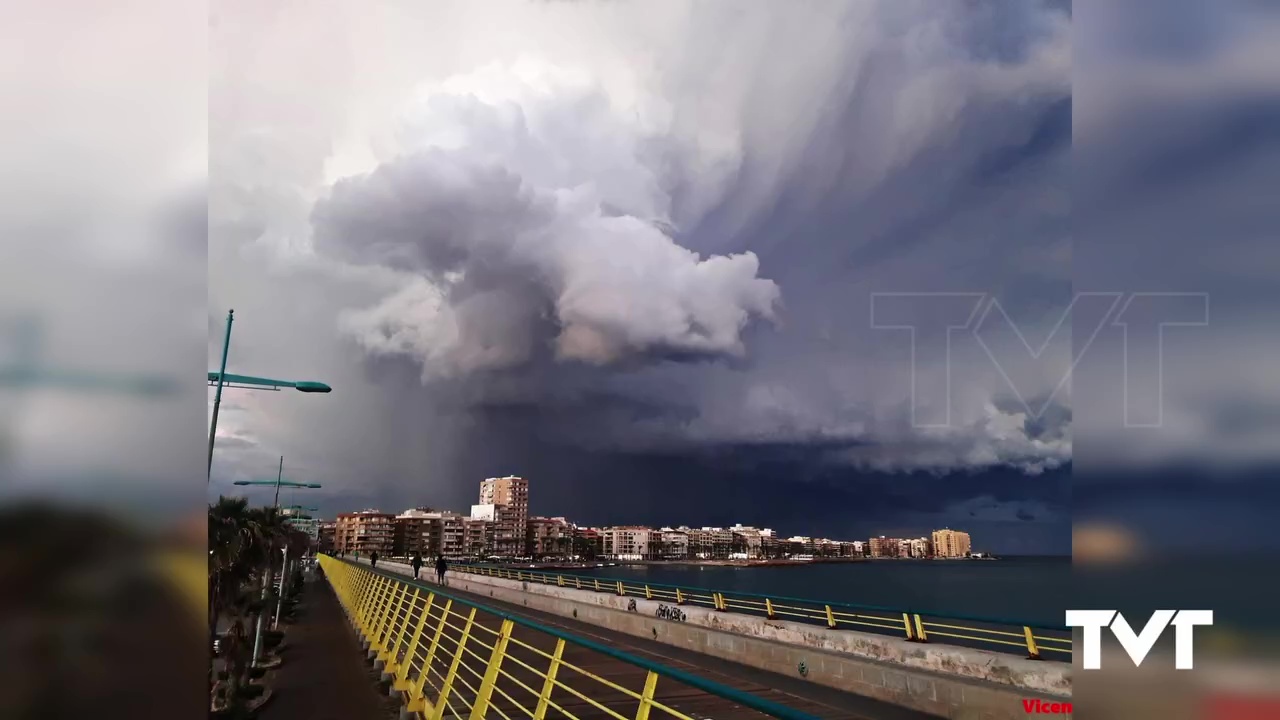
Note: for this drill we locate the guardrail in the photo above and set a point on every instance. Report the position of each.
(970, 631)
(448, 664)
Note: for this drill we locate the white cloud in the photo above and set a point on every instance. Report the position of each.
(601, 185)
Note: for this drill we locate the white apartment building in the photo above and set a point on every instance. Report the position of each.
(674, 544)
(920, 547)
(626, 543)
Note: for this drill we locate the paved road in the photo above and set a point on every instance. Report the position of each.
(324, 676)
(793, 692)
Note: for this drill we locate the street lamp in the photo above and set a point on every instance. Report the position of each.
(284, 567)
(278, 482)
(282, 483)
(220, 379)
(284, 572)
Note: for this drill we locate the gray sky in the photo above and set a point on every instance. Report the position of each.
(629, 251)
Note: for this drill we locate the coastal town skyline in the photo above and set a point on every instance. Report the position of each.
(900, 545)
(1000, 531)
(500, 524)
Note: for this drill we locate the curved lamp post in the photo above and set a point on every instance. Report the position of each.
(221, 379)
(278, 482)
(284, 567)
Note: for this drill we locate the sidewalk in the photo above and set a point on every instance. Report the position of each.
(791, 691)
(324, 676)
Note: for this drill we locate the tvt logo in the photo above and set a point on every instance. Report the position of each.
(934, 322)
(1138, 644)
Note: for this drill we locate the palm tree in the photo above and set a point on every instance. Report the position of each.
(242, 544)
(234, 537)
(232, 534)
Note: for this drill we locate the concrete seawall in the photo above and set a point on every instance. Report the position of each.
(953, 682)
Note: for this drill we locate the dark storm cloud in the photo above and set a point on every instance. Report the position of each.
(647, 290)
(1176, 145)
(512, 269)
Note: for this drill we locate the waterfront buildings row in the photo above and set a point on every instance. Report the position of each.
(500, 525)
(945, 543)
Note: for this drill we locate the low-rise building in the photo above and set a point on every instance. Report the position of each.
(627, 542)
(477, 538)
(304, 523)
(747, 541)
(770, 548)
(365, 532)
(307, 525)
(721, 542)
(920, 548)
(430, 533)
(325, 537)
(798, 545)
(672, 544)
(588, 542)
(886, 547)
(549, 536)
(701, 542)
(508, 529)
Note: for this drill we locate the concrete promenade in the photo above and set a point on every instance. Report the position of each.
(324, 676)
(933, 678)
(793, 692)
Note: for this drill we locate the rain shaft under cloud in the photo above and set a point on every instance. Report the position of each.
(612, 241)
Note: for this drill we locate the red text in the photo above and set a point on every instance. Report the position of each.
(1040, 707)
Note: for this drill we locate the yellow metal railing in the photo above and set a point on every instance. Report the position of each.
(991, 633)
(452, 658)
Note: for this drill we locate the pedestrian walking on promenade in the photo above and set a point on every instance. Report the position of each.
(373, 559)
(441, 567)
(417, 564)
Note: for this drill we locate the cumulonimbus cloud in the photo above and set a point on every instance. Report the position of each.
(615, 190)
(520, 229)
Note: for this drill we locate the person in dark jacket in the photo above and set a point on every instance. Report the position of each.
(373, 559)
(441, 567)
(417, 564)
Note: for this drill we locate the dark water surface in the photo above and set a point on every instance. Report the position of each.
(1032, 589)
